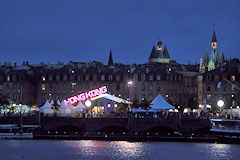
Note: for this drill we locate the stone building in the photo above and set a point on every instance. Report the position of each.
(180, 84)
(34, 84)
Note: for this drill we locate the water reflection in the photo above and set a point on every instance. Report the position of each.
(104, 150)
(127, 149)
(118, 149)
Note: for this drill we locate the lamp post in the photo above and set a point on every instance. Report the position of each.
(220, 104)
(73, 84)
(129, 83)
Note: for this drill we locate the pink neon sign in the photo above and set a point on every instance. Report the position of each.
(86, 95)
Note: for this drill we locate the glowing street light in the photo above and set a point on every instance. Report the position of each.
(88, 103)
(220, 103)
(130, 83)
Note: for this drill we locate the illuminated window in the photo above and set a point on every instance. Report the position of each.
(208, 96)
(43, 87)
(43, 78)
(8, 78)
(233, 78)
(158, 77)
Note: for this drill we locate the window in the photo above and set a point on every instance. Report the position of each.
(135, 76)
(151, 77)
(118, 87)
(57, 78)
(8, 78)
(233, 78)
(43, 87)
(91, 77)
(117, 78)
(14, 78)
(65, 78)
(143, 77)
(86, 77)
(143, 87)
(43, 78)
(50, 78)
(110, 77)
(102, 78)
(158, 77)
(208, 96)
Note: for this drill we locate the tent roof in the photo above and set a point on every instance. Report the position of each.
(46, 108)
(159, 103)
(113, 98)
(47, 105)
(63, 105)
(79, 106)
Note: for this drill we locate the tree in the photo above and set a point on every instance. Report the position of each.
(193, 103)
(3, 101)
(55, 107)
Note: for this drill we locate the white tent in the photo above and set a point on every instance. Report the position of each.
(58, 102)
(51, 102)
(46, 108)
(79, 108)
(159, 103)
(111, 97)
(64, 109)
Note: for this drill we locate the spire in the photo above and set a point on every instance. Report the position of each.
(153, 53)
(214, 41)
(214, 37)
(110, 59)
(165, 52)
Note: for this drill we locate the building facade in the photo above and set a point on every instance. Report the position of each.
(180, 84)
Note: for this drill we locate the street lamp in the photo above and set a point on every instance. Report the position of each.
(88, 103)
(129, 83)
(73, 84)
(220, 104)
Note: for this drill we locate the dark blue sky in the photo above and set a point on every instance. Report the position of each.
(84, 30)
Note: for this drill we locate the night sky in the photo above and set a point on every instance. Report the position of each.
(85, 30)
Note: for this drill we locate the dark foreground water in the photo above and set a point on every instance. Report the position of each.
(103, 150)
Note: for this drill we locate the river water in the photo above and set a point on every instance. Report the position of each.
(103, 150)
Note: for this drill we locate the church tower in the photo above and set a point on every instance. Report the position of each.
(214, 60)
(214, 52)
(214, 41)
(110, 59)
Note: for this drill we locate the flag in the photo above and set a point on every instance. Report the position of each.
(220, 84)
(204, 105)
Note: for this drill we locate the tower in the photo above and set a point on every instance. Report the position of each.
(159, 53)
(110, 59)
(214, 41)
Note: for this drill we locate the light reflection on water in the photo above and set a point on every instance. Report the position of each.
(103, 150)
